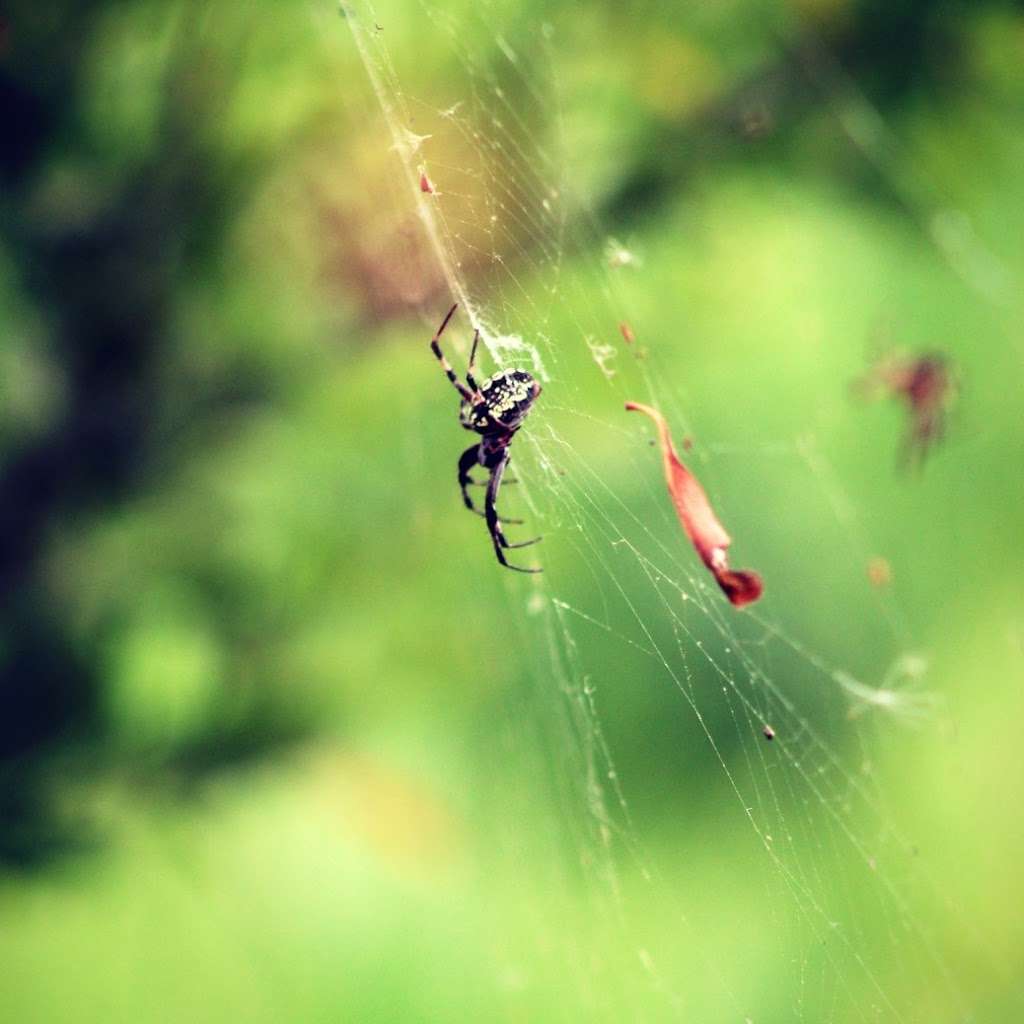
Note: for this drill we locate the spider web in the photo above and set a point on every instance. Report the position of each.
(821, 908)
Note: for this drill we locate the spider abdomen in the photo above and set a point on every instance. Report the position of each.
(508, 395)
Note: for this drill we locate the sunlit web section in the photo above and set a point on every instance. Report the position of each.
(778, 730)
(482, 168)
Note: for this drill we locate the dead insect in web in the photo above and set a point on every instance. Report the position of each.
(768, 733)
(925, 385)
(698, 519)
(494, 409)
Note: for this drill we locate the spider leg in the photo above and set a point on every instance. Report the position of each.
(494, 522)
(470, 458)
(445, 365)
(521, 544)
(467, 460)
(470, 379)
(503, 519)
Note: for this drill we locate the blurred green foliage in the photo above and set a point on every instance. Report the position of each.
(279, 741)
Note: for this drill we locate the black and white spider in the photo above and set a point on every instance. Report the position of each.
(495, 409)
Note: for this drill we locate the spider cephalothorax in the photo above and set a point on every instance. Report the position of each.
(495, 410)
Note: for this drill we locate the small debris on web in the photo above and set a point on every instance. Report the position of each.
(768, 732)
(603, 354)
(899, 694)
(408, 143)
(698, 519)
(629, 336)
(514, 348)
(619, 255)
(879, 572)
(925, 384)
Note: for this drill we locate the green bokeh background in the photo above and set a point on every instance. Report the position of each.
(280, 741)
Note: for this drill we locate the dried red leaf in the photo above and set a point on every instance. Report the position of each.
(706, 533)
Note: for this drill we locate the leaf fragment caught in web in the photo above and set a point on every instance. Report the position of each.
(706, 533)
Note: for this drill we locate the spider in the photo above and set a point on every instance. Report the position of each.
(494, 409)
